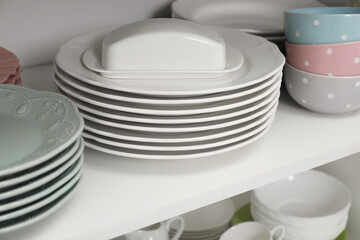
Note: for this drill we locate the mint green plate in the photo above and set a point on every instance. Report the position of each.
(34, 126)
(39, 214)
(77, 168)
(30, 197)
(38, 182)
(52, 163)
(243, 215)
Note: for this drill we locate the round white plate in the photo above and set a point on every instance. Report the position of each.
(210, 217)
(260, 17)
(41, 203)
(75, 150)
(160, 128)
(100, 113)
(213, 143)
(134, 98)
(39, 193)
(262, 59)
(170, 155)
(168, 110)
(92, 60)
(47, 122)
(181, 137)
(60, 172)
(39, 214)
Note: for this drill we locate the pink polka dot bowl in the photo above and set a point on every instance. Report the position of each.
(331, 59)
(323, 94)
(308, 26)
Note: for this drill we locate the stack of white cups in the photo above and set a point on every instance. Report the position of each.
(311, 205)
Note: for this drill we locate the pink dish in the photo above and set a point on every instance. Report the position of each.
(9, 68)
(332, 59)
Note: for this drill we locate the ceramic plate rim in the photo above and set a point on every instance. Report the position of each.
(61, 75)
(42, 193)
(179, 10)
(272, 109)
(73, 162)
(19, 167)
(272, 50)
(78, 146)
(42, 215)
(229, 140)
(177, 157)
(84, 106)
(41, 203)
(69, 91)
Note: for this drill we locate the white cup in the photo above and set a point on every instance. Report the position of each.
(158, 231)
(253, 231)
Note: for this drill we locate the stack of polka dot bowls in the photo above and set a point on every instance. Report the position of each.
(322, 72)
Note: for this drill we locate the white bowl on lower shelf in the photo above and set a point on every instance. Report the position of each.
(310, 205)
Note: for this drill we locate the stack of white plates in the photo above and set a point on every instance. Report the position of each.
(260, 17)
(159, 118)
(41, 154)
(208, 222)
(310, 205)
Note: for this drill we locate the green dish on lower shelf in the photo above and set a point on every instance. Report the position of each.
(244, 215)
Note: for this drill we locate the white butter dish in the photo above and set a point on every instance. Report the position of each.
(165, 48)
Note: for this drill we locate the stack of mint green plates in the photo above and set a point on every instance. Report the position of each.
(41, 154)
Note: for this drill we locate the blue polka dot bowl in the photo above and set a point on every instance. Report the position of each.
(308, 26)
(323, 94)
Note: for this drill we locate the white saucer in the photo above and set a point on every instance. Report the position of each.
(262, 60)
(92, 60)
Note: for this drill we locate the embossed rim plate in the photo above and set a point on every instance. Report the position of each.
(42, 202)
(175, 155)
(39, 193)
(240, 14)
(206, 144)
(161, 128)
(74, 164)
(262, 59)
(74, 150)
(40, 214)
(151, 137)
(140, 118)
(52, 131)
(92, 60)
(134, 98)
(168, 110)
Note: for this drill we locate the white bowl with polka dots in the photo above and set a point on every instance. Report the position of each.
(308, 26)
(323, 94)
(341, 59)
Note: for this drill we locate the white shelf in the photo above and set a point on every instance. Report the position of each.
(118, 195)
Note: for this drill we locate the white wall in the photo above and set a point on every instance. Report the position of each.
(34, 29)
